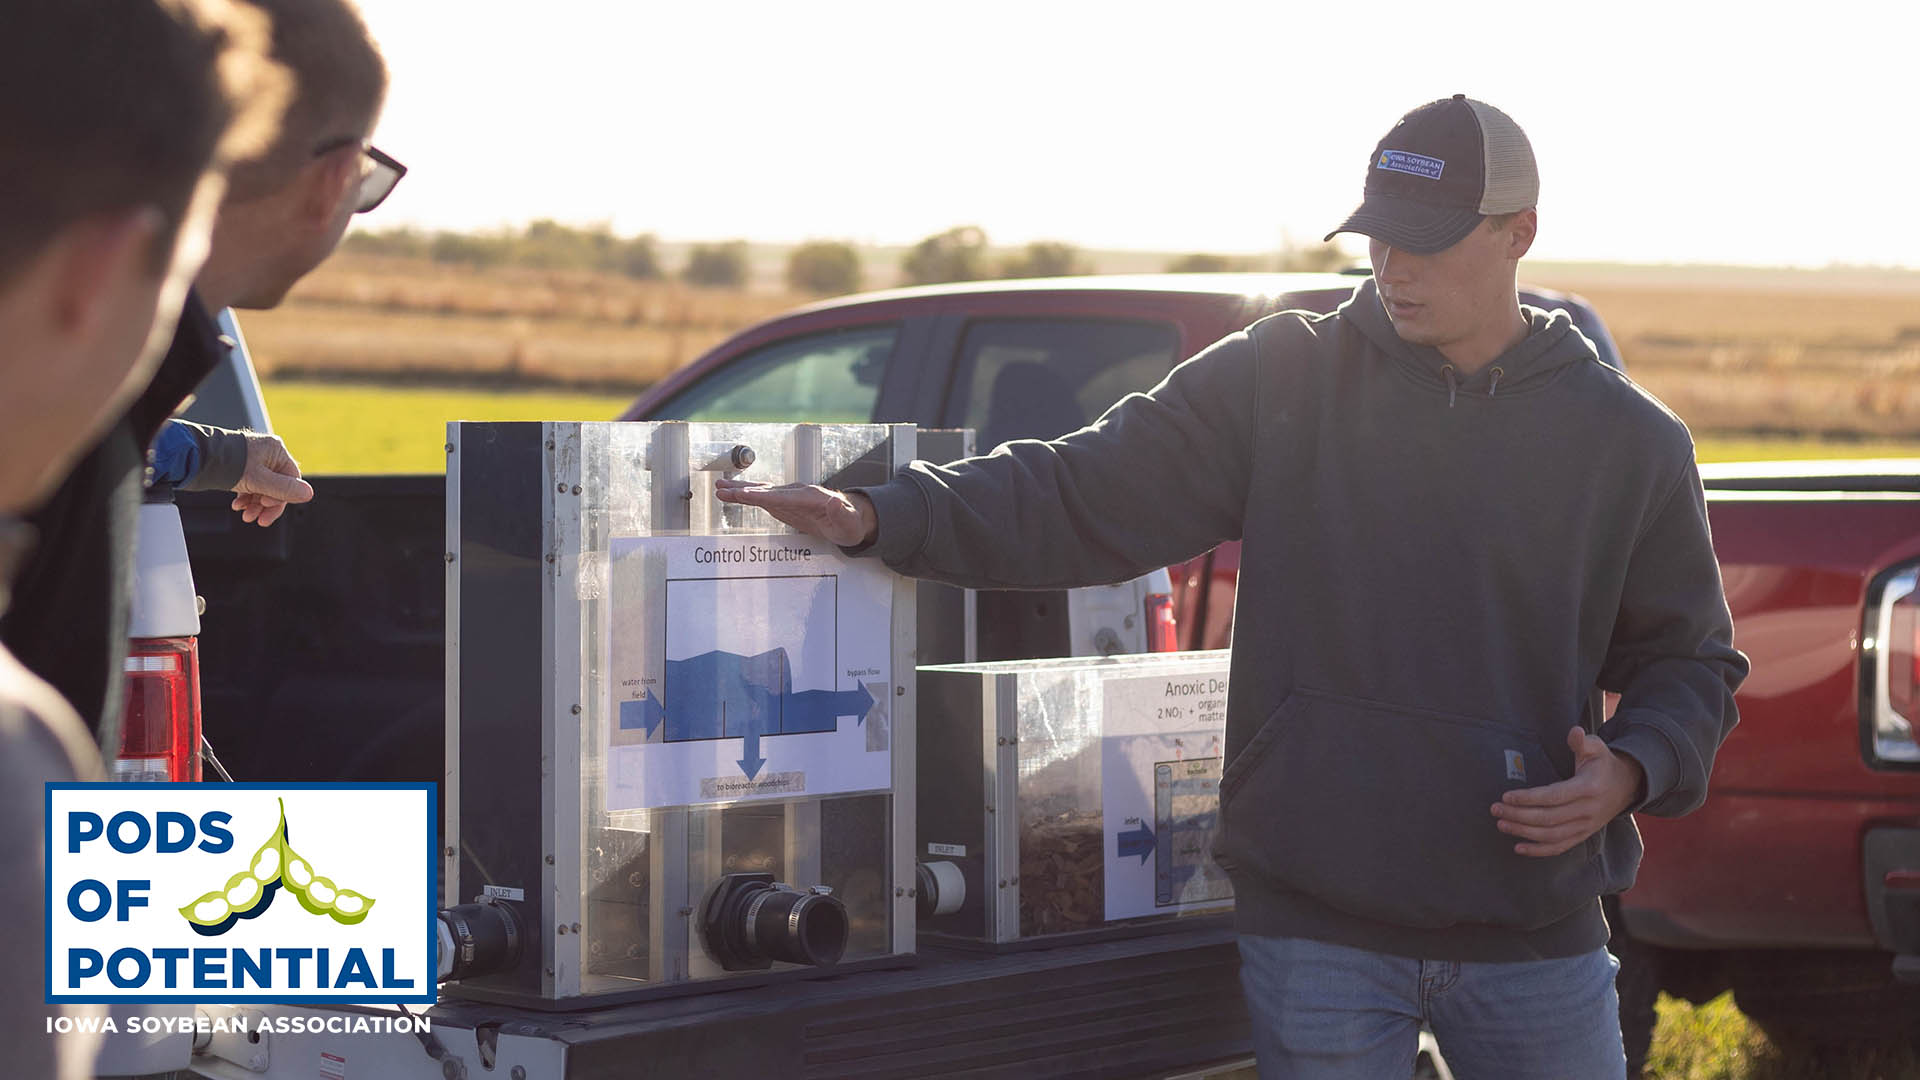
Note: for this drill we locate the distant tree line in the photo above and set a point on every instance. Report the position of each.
(549, 245)
(960, 254)
(821, 267)
(1313, 257)
(543, 245)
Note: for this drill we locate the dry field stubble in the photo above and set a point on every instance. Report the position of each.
(380, 318)
(1831, 353)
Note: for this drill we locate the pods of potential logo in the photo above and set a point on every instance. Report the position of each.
(241, 892)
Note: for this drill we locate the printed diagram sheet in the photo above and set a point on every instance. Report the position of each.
(1160, 793)
(746, 667)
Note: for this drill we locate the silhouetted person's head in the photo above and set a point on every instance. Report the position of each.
(118, 120)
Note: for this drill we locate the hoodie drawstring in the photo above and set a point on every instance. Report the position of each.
(1453, 383)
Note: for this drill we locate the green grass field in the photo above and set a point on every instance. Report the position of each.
(364, 428)
(354, 428)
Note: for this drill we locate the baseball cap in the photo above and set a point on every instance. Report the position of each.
(1442, 170)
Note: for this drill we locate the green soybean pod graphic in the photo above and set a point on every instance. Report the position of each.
(349, 907)
(250, 892)
(320, 895)
(299, 877)
(272, 857)
(241, 895)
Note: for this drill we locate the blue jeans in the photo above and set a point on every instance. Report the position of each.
(1328, 1012)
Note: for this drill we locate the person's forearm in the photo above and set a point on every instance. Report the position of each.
(1160, 478)
(1673, 660)
(222, 453)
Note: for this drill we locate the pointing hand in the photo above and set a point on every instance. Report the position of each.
(271, 481)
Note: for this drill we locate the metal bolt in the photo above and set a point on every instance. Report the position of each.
(549, 444)
(899, 691)
(563, 489)
(549, 860)
(576, 928)
(636, 879)
(449, 556)
(452, 1069)
(1127, 622)
(913, 892)
(899, 892)
(576, 489)
(563, 926)
(1003, 883)
(1015, 881)
(519, 1072)
(449, 852)
(685, 911)
(1002, 741)
(549, 558)
(576, 710)
(549, 973)
(449, 448)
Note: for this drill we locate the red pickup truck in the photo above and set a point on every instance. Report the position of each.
(1797, 885)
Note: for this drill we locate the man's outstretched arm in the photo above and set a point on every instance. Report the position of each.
(1160, 478)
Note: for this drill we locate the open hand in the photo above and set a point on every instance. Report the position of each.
(837, 517)
(272, 480)
(1553, 818)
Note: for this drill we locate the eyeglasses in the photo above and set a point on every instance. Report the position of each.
(382, 173)
(382, 176)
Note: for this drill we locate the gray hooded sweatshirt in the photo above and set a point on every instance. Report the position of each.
(1440, 574)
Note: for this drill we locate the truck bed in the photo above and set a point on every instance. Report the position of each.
(1139, 1007)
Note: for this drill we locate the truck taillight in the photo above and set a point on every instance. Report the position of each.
(160, 734)
(1163, 633)
(1892, 651)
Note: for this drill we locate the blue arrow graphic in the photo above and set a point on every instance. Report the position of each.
(1137, 842)
(646, 712)
(751, 762)
(817, 710)
(723, 695)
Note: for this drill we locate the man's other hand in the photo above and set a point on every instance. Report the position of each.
(1553, 818)
(839, 518)
(272, 480)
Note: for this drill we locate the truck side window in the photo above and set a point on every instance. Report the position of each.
(1039, 379)
(821, 378)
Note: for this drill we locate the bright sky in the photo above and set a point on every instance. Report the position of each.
(1680, 131)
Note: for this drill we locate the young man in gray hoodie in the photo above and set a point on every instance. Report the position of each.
(1460, 528)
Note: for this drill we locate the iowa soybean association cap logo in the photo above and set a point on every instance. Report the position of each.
(131, 917)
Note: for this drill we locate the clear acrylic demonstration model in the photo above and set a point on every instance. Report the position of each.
(1076, 797)
(680, 735)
